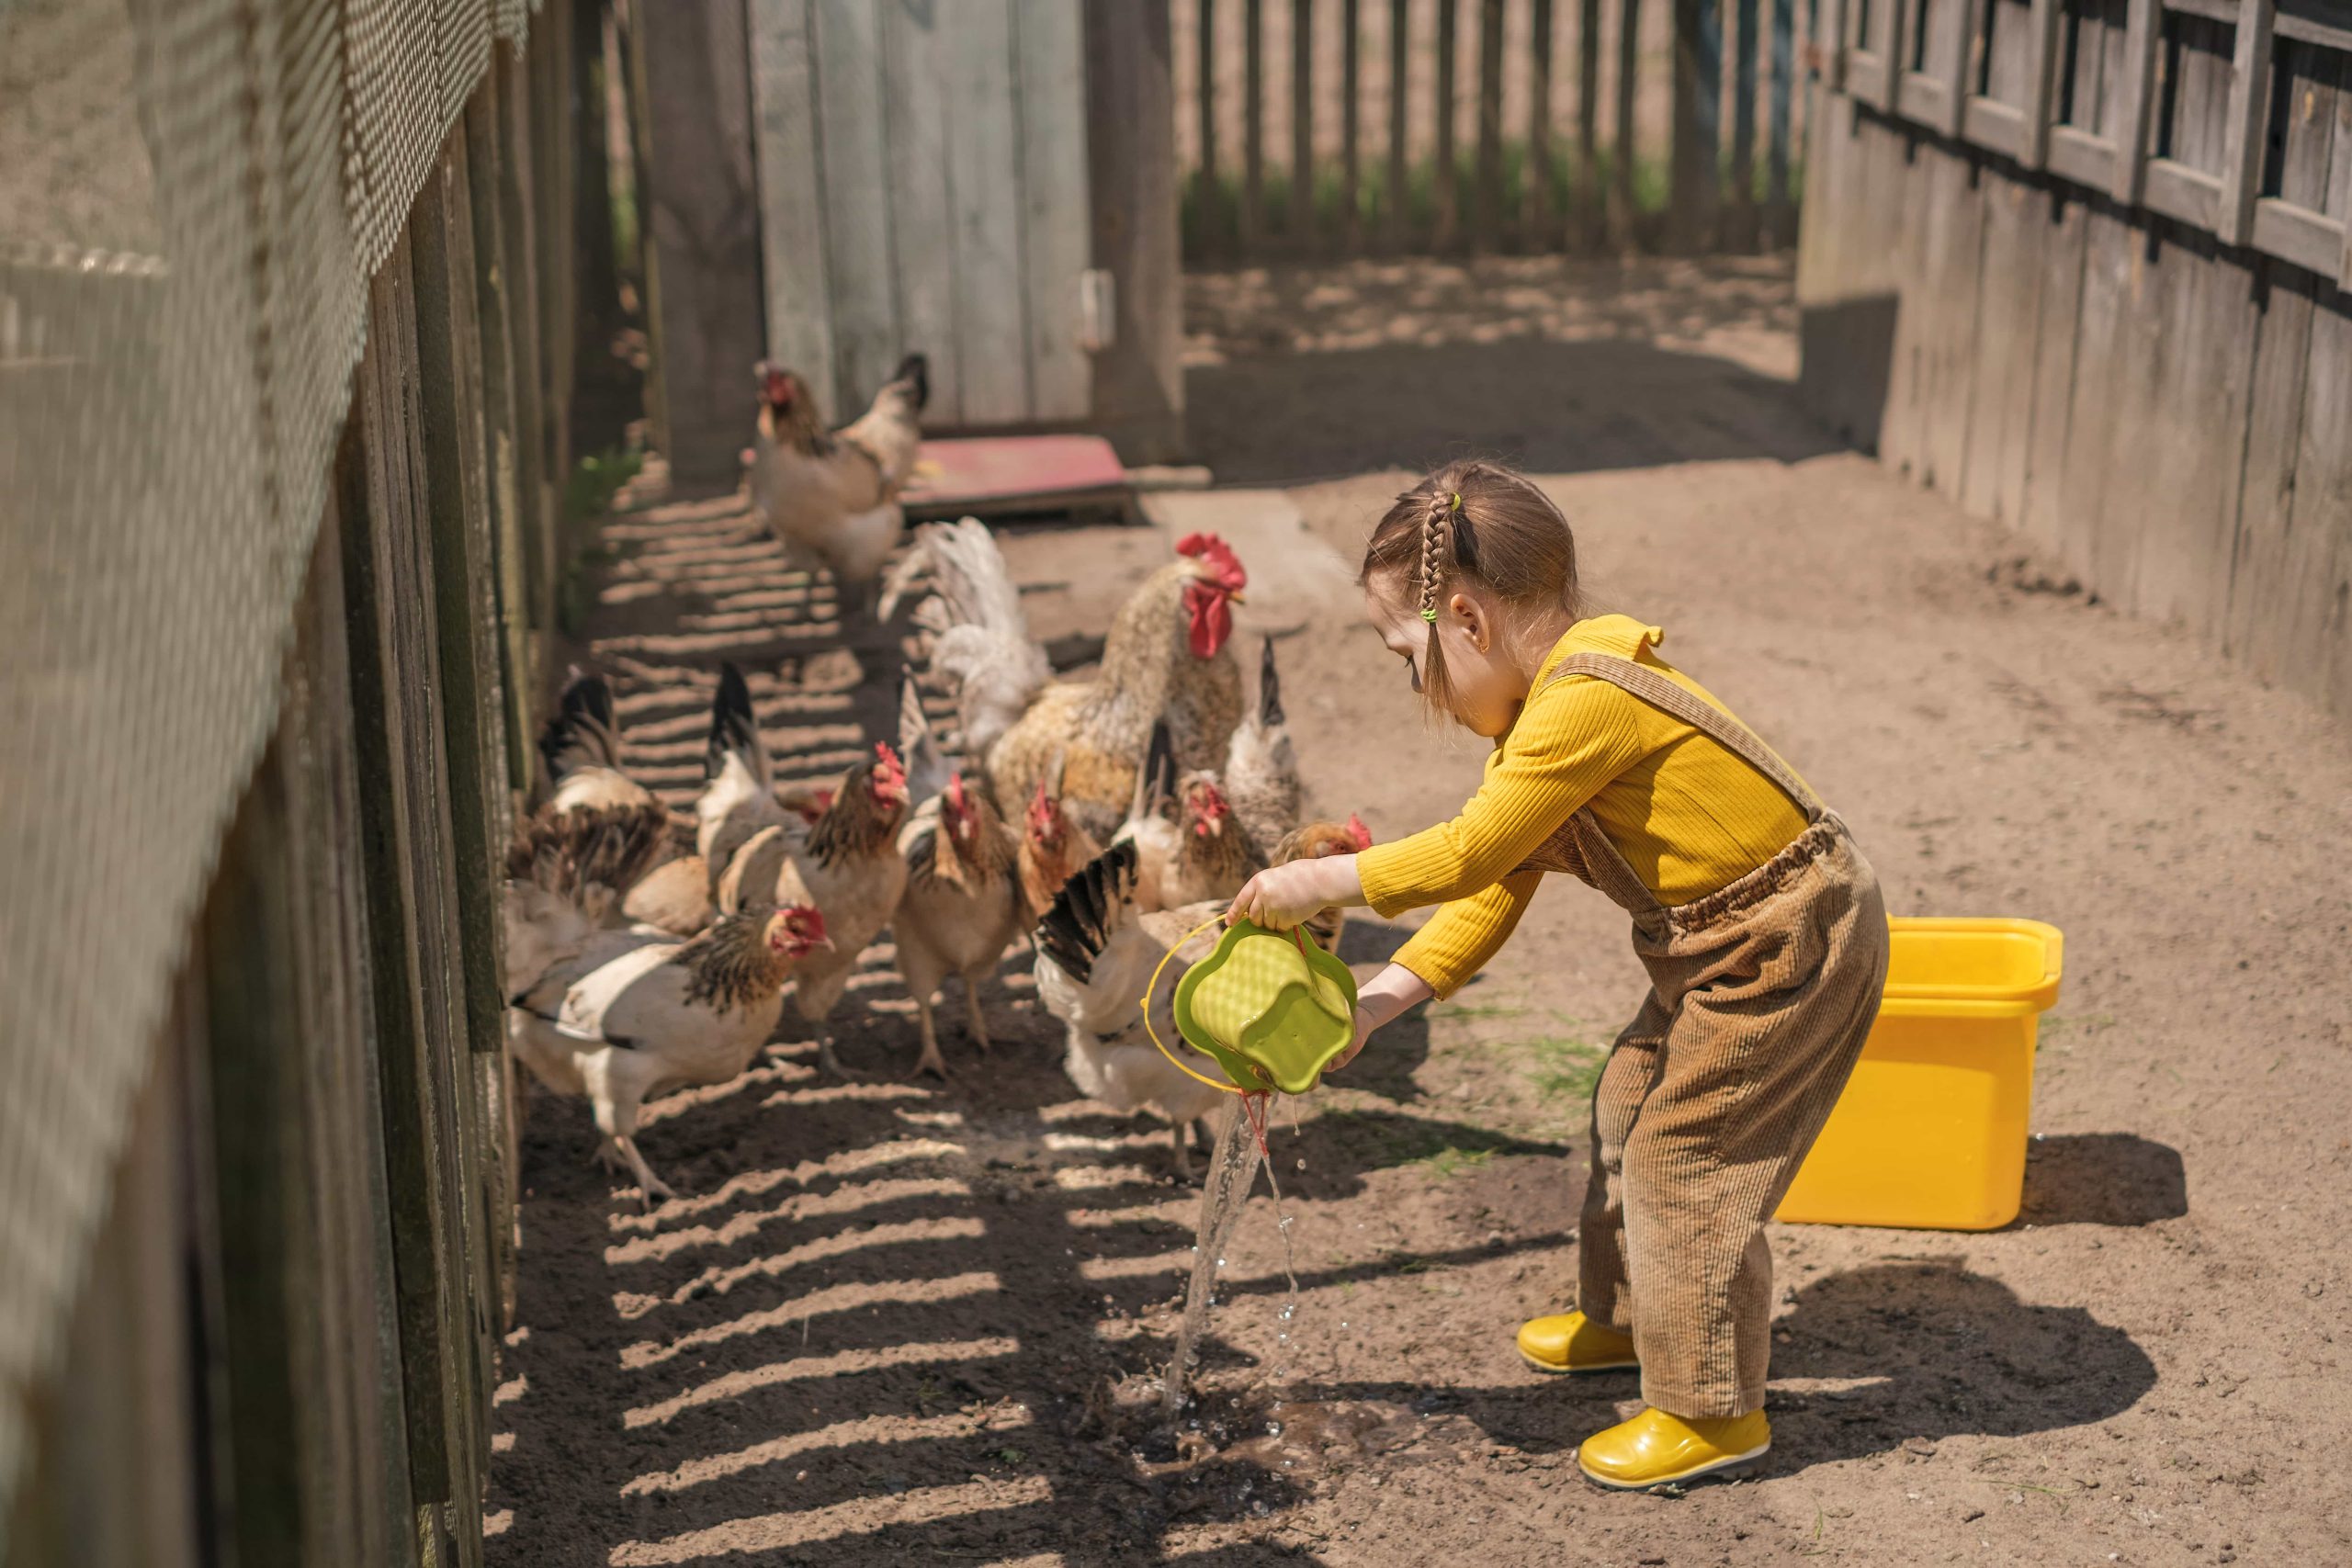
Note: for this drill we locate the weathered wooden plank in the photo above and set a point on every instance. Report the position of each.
(2106, 268)
(2007, 315)
(2243, 146)
(796, 280)
(1131, 146)
(1591, 205)
(1302, 123)
(704, 220)
(922, 229)
(555, 190)
(2135, 101)
(1625, 152)
(2313, 655)
(2267, 553)
(1049, 94)
(1446, 229)
(494, 311)
(1395, 223)
(374, 490)
(855, 170)
(1902, 434)
(534, 487)
(1214, 215)
(1350, 126)
(1955, 257)
(1254, 125)
(1740, 230)
(1695, 220)
(1780, 227)
(1538, 218)
(991, 305)
(2041, 81)
(1486, 196)
(2064, 244)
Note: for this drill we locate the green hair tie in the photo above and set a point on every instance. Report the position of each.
(1429, 615)
(1457, 505)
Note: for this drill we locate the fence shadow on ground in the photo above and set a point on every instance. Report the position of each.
(1538, 403)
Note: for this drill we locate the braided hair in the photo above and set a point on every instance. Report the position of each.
(1475, 523)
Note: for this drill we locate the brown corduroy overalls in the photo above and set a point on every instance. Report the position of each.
(1761, 994)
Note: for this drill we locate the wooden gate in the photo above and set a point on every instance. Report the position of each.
(924, 187)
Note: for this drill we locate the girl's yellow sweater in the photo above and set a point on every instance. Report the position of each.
(1689, 816)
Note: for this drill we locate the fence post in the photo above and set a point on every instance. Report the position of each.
(1302, 124)
(1693, 220)
(2249, 109)
(1131, 152)
(1400, 17)
(1448, 229)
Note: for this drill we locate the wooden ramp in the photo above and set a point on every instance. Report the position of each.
(1010, 476)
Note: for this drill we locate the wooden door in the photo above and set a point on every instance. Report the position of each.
(922, 181)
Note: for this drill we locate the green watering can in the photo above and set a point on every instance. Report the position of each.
(1273, 1008)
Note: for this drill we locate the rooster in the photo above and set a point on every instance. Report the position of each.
(566, 872)
(1164, 657)
(1052, 847)
(581, 746)
(737, 800)
(831, 497)
(845, 864)
(962, 906)
(634, 1014)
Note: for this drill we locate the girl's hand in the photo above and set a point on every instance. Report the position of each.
(1384, 996)
(1282, 896)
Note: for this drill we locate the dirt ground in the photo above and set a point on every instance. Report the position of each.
(889, 1323)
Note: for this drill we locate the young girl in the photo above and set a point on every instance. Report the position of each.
(1758, 920)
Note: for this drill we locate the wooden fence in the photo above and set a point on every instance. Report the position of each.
(1334, 128)
(289, 1346)
(2079, 264)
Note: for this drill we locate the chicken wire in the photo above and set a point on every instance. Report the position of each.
(193, 194)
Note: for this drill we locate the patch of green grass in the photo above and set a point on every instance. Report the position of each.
(589, 491)
(1472, 1010)
(1453, 1160)
(1564, 1069)
(1011, 1456)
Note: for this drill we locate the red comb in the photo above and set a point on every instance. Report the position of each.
(1358, 832)
(1220, 557)
(887, 760)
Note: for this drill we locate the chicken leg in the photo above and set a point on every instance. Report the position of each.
(930, 1061)
(972, 1015)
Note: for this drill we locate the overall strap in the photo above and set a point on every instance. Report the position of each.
(1671, 697)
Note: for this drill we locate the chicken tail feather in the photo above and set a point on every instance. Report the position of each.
(1270, 688)
(1087, 909)
(735, 730)
(915, 371)
(584, 731)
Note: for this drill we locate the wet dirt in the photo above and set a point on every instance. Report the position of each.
(893, 1322)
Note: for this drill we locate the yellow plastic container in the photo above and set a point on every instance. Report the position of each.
(1930, 1132)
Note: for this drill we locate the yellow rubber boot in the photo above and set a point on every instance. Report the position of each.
(1654, 1449)
(1571, 1342)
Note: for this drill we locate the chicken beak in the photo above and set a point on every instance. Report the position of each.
(1237, 597)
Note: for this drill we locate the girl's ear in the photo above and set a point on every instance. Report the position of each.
(1474, 622)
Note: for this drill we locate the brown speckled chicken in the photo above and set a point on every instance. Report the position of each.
(1164, 657)
(1319, 840)
(832, 497)
(1053, 847)
(962, 905)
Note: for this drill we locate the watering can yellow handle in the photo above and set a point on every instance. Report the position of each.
(1153, 1035)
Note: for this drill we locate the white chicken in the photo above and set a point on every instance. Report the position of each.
(1260, 778)
(634, 1014)
(1096, 951)
(832, 497)
(962, 906)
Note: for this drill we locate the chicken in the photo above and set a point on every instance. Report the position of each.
(1096, 952)
(737, 800)
(1317, 840)
(566, 873)
(634, 1014)
(1261, 778)
(1164, 657)
(845, 864)
(581, 746)
(831, 497)
(980, 646)
(1053, 847)
(962, 906)
(1187, 850)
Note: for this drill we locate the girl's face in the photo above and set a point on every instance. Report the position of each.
(1487, 687)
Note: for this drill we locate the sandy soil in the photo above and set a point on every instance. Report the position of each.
(892, 1324)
